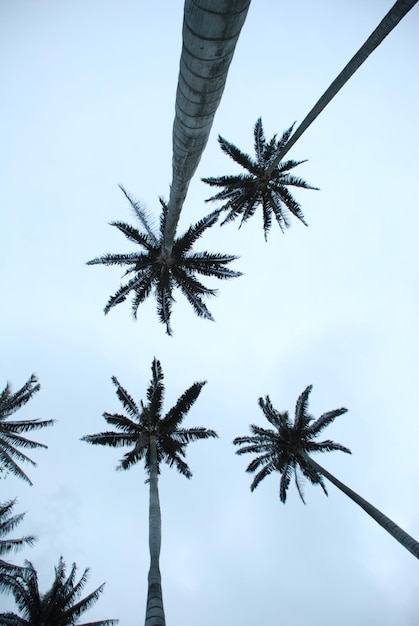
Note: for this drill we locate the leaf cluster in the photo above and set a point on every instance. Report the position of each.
(60, 606)
(151, 270)
(143, 423)
(286, 447)
(263, 184)
(11, 437)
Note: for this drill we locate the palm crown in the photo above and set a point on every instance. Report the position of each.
(286, 448)
(143, 424)
(151, 268)
(60, 606)
(263, 184)
(10, 431)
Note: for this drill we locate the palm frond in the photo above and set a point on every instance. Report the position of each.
(109, 438)
(187, 435)
(265, 471)
(284, 482)
(191, 289)
(184, 244)
(140, 212)
(134, 235)
(301, 418)
(11, 402)
(138, 282)
(238, 156)
(260, 141)
(123, 396)
(175, 415)
(131, 258)
(324, 420)
(8, 454)
(122, 422)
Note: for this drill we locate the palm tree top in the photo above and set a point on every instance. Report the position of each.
(286, 447)
(60, 606)
(11, 437)
(144, 423)
(264, 183)
(151, 268)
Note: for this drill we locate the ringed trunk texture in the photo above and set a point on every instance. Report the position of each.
(211, 29)
(390, 21)
(402, 537)
(155, 611)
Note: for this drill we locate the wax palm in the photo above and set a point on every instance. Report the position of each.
(60, 606)
(286, 449)
(261, 185)
(153, 439)
(151, 269)
(11, 431)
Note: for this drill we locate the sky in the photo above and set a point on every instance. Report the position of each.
(87, 104)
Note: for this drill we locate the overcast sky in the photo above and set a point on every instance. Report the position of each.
(87, 103)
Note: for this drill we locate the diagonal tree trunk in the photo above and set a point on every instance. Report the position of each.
(402, 537)
(155, 610)
(211, 29)
(390, 21)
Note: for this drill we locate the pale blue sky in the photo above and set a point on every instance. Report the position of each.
(88, 102)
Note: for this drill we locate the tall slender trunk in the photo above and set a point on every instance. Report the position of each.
(211, 29)
(390, 21)
(155, 611)
(402, 537)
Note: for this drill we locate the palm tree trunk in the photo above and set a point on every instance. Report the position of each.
(211, 29)
(155, 611)
(390, 21)
(402, 537)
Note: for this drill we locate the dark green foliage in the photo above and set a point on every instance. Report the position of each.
(11, 431)
(263, 185)
(7, 523)
(60, 606)
(286, 448)
(144, 423)
(152, 270)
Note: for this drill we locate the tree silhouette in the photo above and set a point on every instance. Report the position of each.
(286, 448)
(60, 606)
(262, 185)
(11, 431)
(152, 270)
(153, 439)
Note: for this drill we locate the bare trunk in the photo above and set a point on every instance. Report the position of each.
(155, 610)
(402, 537)
(390, 21)
(211, 29)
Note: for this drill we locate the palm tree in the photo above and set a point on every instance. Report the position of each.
(262, 185)
(60, 606)
(286, 450)
(10, 431)
(7, 523)
(154, 439)
(211, 29)
(384, 28)
(151, 269)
